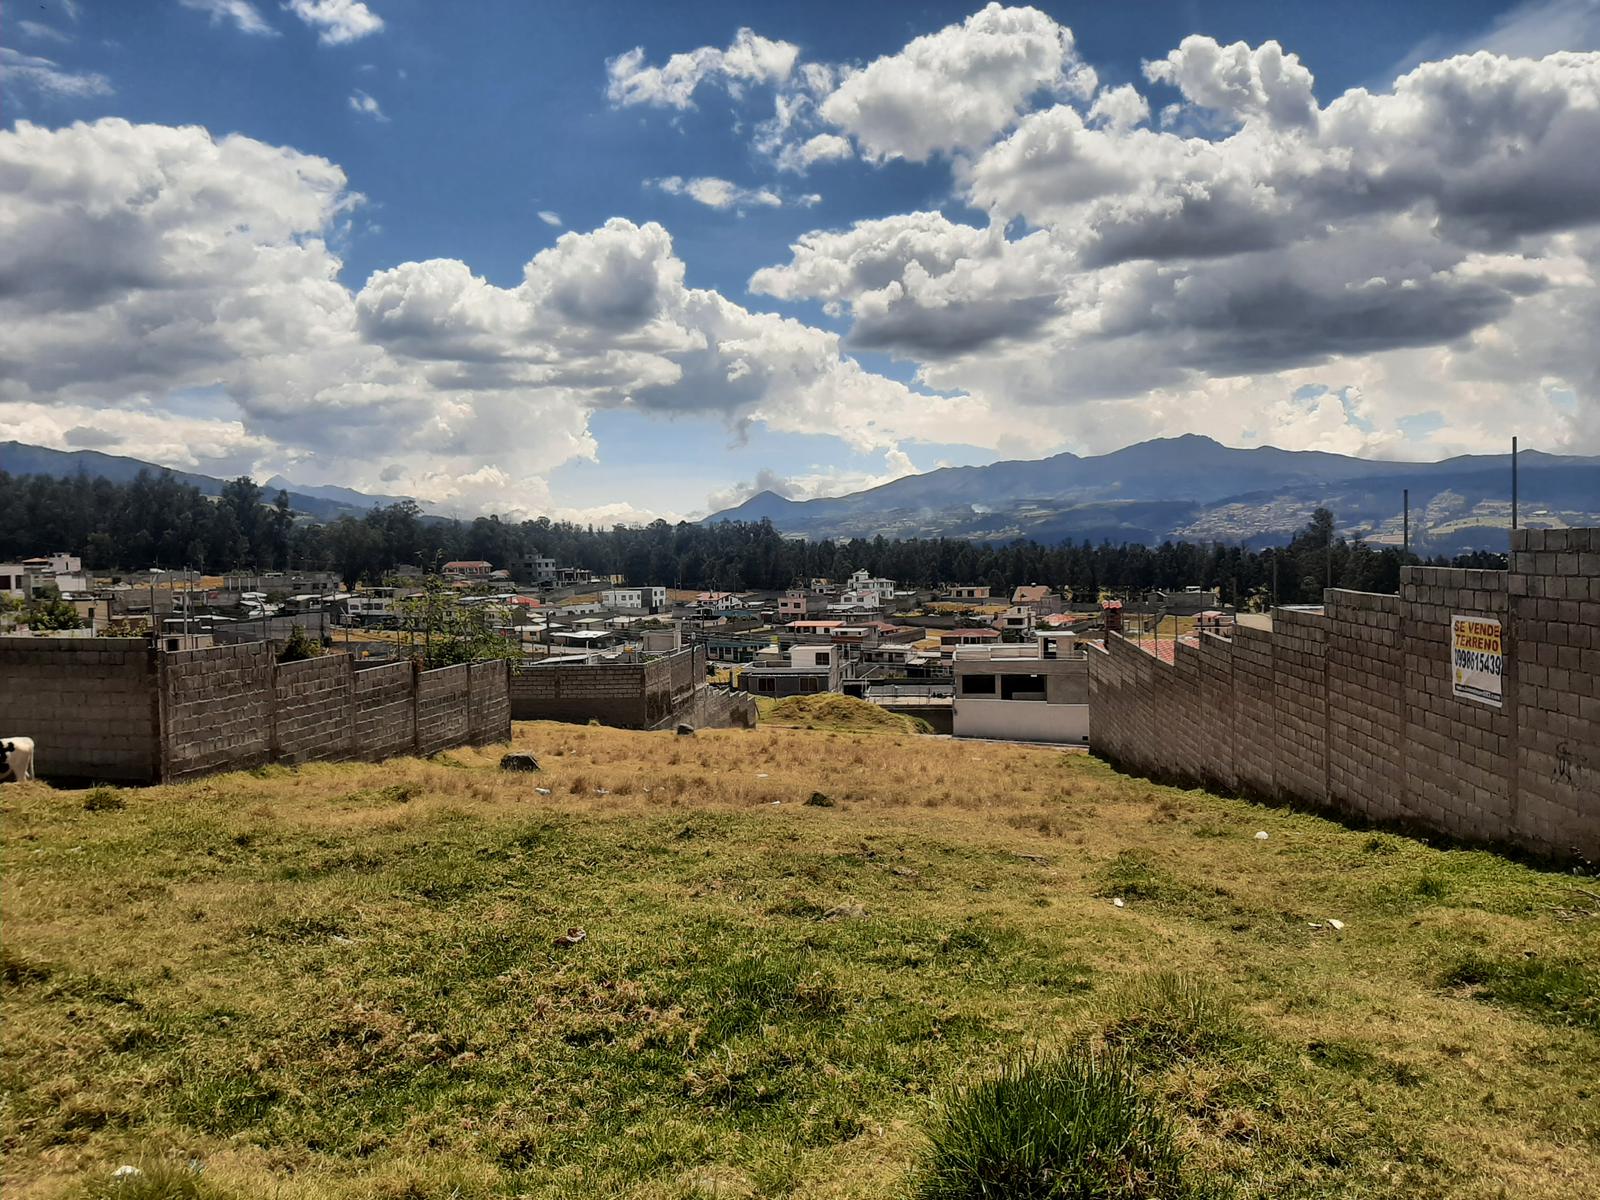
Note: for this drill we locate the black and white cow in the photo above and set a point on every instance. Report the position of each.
(16, 760)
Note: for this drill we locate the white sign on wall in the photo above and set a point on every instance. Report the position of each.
(1477, 659)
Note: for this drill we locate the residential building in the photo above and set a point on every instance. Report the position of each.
(534, 568)
(1037, 597)
(1036, 692)
(949, 639)
(976, 593)
(1019, 618)
(865, 591)
(799, 603)
(810, 669)
(468, 568)
(639, 600)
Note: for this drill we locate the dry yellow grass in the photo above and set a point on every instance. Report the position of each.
(339, 981)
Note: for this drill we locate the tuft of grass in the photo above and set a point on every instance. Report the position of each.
(104, 799)
(1062, 1126)
(1165, 1016)
(152, 1179)
(1556, 992)
(1431, 887)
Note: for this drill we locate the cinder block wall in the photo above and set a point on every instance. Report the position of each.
(386, 711)
(314, 714)
(114, 709)
(216, 709)
(1352, 708)
(631, 695)
(442, 718)
(489, 702)
(89, 704)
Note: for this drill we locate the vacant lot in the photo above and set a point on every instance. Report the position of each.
(342, 982)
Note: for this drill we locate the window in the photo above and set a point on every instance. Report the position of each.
(822, 659)
(766, 685)
(977, 685)
(1022, 687)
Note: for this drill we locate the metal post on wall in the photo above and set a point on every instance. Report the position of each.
(1405, 520)
(1513, 483)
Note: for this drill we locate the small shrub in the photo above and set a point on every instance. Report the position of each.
(1431, 887)
(299, 646)
(1165, 1015)
(104, 799)
(1070, 1126)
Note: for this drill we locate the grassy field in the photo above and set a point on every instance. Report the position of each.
(343, 981)
(832, 713)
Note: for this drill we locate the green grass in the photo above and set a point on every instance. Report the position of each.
(340, 982)
(1061, 1126)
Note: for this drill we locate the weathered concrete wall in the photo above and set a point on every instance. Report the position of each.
(1353, 709)
(114, 709)
(489, 703)
(631, 695)
(313, 714)
(89, 704)
(386, 711)
(442, 717)
(216, 709)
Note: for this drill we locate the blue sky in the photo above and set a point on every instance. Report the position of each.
(450, 129)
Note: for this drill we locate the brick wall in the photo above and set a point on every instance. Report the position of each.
(386, 711)
(89, 704)
(1353, 708)
(216, 709)
(313, 715)
(442, 719)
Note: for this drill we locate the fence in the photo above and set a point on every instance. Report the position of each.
(633, 694)
(115, 709)
(1359, 708)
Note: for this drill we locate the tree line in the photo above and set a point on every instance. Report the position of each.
(154, 520)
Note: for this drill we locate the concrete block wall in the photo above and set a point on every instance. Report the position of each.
(1554, 589)
(313, 714)
(216, 709)
(1458, 764)
(631, 695)
(385, 704)
(442, 717)
(89, 704)
(1352, 708)
(489, 702)
(1299, 695)
(1366, 706)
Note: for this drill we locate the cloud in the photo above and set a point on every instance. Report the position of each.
(550, 218)
(158, 271)
(41, 32)
(240, 13)
(41, 76)
(365, 105)
(717, 193)
(1406, 243)
(337, 22)
(811, 484)
(802, 156)
(749, 58)
(1239, 82)
(955, 89)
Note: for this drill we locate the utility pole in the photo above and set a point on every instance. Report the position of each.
(1513, 483)
(1405, 520)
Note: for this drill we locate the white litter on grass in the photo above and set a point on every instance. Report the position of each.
(1261, 835)
(1335, 923)
(126, 1171)
(761, 774)
(1118, 902)
(542, 791)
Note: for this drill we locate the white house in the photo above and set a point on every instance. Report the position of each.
(635, 600)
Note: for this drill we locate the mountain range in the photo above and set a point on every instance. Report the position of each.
(1193, 487)
(325, 502)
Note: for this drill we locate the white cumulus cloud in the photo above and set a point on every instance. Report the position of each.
(337, 22)
(749, 58)
(241, 14)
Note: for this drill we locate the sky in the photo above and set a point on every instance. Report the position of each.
(609, 262)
